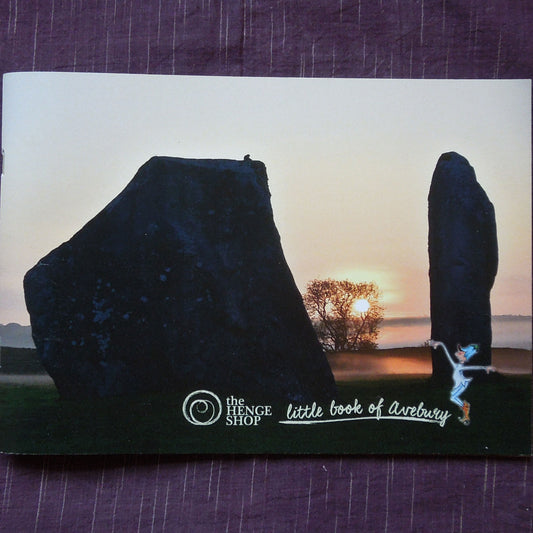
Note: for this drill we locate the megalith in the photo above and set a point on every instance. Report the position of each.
(179, 284)
(463, 260)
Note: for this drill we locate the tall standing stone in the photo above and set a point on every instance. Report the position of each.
(463, 260)
(179, 284)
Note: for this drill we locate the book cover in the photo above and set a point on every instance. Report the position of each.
(265, 265)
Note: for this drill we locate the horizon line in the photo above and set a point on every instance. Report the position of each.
(398, 319)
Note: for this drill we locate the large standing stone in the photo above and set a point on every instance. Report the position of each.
(179, 284)
(463, 260)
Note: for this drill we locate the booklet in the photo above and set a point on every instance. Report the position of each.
(264, 265)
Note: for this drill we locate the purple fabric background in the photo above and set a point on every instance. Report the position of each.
(322, 38)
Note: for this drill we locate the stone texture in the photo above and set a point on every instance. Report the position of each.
(179, 284)
(463, 260)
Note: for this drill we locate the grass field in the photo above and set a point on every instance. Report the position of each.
(33, 419)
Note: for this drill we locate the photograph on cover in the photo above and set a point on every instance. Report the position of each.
(264, 265)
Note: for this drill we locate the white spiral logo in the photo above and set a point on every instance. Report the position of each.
(202, 408)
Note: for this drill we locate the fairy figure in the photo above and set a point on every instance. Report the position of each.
(460, 381)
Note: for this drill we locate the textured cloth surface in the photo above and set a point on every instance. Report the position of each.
(320, 38)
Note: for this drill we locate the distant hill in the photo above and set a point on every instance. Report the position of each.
(409, 321)
(16, 336)
(508, 331)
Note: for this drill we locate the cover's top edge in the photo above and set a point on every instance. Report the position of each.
(293, 78)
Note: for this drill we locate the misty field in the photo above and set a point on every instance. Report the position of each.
(371, 364)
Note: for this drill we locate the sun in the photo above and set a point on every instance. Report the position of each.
(362, 305)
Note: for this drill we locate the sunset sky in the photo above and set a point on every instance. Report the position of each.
(349, 165)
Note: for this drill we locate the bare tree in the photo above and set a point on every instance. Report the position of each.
(346, 315)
